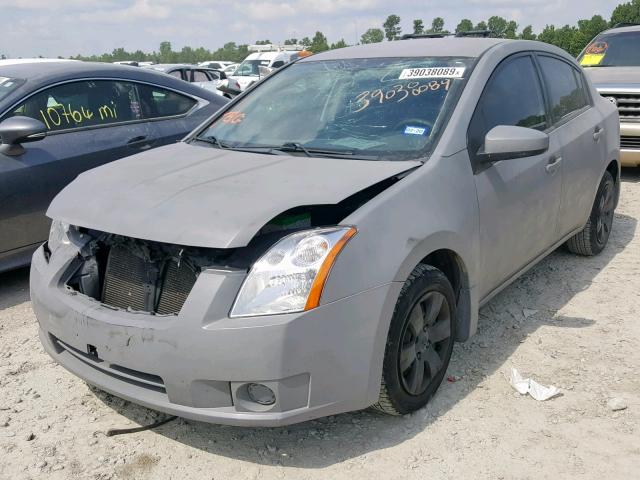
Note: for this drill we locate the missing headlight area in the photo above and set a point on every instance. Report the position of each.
(140, 275)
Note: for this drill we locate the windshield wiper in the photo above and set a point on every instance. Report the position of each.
(309, 152)
(293, 147)
(213, 141)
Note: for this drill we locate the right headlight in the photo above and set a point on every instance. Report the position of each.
(290, 276)
(58, 236)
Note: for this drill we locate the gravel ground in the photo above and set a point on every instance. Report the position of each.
(571, 322)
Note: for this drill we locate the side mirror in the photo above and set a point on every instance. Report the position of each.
(17, 130)
(506, 142)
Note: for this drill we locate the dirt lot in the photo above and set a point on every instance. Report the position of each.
(572, 322)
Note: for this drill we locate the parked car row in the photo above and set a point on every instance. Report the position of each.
(204, 77)
(321, 241)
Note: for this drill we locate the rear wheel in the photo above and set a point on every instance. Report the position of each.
(420, 342)
(595, 235)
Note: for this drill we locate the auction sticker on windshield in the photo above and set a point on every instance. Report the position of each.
(432, 72)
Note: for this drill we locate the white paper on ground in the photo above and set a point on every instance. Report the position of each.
(530, 386)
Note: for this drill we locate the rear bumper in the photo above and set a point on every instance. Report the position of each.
(197, 365)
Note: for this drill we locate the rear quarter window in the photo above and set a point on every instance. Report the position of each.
(158, 102)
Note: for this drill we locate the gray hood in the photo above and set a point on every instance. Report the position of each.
(614, 76)
(200, 196)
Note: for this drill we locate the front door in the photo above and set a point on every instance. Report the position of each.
(518, 198)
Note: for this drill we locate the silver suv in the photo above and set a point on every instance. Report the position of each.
(319, 245)
(612, 61)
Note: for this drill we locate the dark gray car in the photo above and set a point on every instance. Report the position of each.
(331, 233)
(82, 115)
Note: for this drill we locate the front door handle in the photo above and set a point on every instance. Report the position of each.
(139, 142)
(553, 165)
(597, 133)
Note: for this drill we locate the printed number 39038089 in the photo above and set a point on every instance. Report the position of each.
(398, 92)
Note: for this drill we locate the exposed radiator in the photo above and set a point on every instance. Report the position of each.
(131, 282)
(178, 282)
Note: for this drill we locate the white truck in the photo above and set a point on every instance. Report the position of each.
(260, 63)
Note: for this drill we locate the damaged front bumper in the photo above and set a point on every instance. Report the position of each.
(198, 364)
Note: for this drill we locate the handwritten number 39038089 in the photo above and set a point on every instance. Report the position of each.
(399, 92)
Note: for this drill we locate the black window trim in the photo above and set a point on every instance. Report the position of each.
(200, 102)
(473, 156)
(581, 80)
(184, 72)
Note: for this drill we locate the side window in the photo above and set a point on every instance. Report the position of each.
(512, 96)
(213, 75)
(157, 102)
(83, 104)
(200, 76)
(277, 64)
(176, 73)
(566, 90)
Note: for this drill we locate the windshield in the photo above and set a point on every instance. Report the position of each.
(250, 67)
(387, 108)
(8, 85)
(612, 50)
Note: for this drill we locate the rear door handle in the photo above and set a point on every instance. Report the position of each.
(553, 165)
(597, 133)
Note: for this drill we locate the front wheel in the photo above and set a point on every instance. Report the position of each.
(420, 342)
(595, 235)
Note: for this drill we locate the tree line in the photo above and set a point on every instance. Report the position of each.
(572, 38)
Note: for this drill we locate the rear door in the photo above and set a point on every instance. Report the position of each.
(580, 128)
(89, 123)
(518, 198)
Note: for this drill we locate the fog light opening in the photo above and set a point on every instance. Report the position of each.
(261, 394)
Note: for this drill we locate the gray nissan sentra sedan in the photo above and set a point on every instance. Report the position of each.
(320, 244)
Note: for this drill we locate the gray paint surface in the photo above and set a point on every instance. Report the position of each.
(497, 222)
(206, 197)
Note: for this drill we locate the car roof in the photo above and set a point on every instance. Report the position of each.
(168, 66)
(414, 47)
(628, 28)
(39, 75)
(22, 61)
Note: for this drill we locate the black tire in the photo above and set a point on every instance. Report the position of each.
(427, 292)
(594, 237)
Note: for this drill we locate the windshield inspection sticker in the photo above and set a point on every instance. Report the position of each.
(408, 130)
(233, 117)
(594, 54)
(432, 72)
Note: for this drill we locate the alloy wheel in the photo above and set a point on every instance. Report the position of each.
(425, 341)
(605, 214)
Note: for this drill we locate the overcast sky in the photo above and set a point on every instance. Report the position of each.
(69, 27)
